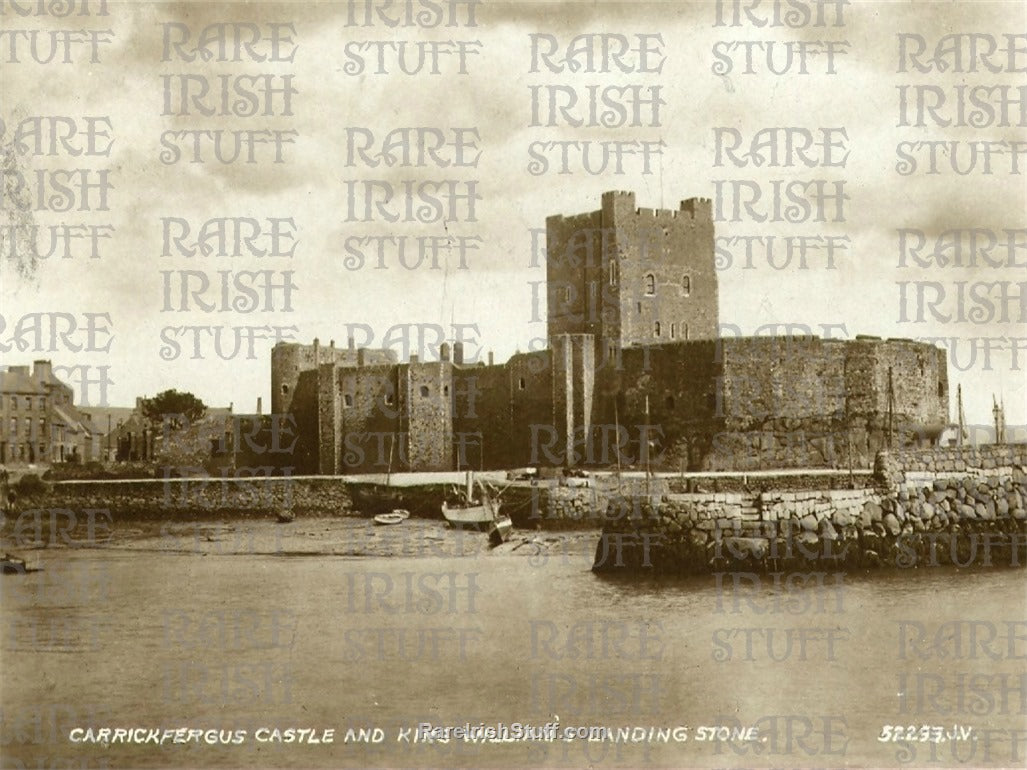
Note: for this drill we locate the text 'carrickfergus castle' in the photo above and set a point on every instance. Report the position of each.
(634, 367)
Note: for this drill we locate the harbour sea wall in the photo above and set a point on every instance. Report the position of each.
(952, 506)
(198, 497)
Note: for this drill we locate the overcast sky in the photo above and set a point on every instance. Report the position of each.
(861, 292)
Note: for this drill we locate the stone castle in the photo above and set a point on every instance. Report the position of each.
(635, 375)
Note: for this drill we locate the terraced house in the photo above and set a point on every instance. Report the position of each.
(39, 422)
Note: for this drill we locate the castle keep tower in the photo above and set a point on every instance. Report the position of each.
(632, 276)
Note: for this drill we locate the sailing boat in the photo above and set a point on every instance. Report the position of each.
(481, 514)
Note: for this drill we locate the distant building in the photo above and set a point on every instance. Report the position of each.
(128, 435)
(39, 422)
(634, 375)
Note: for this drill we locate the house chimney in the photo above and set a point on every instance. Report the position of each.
(42, 370)
(490, 358)
(260, 405)
(414, 359)
(444, 351)
(317, 352)
(360, 356)
(458, 353)
(351, 343)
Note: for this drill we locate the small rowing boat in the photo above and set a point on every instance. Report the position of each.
(15, 565)
(395, 517)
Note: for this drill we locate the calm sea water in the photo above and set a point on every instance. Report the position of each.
(143, 640)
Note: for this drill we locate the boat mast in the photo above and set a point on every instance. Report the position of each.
(960, 417)
(891, 407)
(647, 445)
(616, 423)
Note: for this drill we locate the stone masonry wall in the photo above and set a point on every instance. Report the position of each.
(181, 499)
(968, 516)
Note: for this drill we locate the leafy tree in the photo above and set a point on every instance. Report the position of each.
(171, 405)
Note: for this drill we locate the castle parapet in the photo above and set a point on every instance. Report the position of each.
(698, 208)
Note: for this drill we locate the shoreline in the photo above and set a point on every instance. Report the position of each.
(343, 536)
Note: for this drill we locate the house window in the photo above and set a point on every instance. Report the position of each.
(28, 426)
(639, 307)
(424, 391)
(650, 285)
(941, 388)
(686, 284)
(673, 330)
(670, 402)
(347, 400)
(285, 390)
(592, 289)
(14, 427)
(445, 390)
(14, 402)
(656, 329)
(42, 427)
(566, 292)
(521, 384)
(389, 399)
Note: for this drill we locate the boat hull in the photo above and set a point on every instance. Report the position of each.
(389, 518)
(479, 517)
(499, 530)
(395, 517)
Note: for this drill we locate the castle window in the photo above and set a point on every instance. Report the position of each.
(941, 388)
(566, 292)
(592, 289)
(424, 391)
(285, 390)
(686, 284)
(684, 331)
(389, 399)
(347, 400)
(521, 384)
(613, 272)
(670, 402)
(639, 307)
(650, 285)
(445, 390)
(656, 329)
(673, 330)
